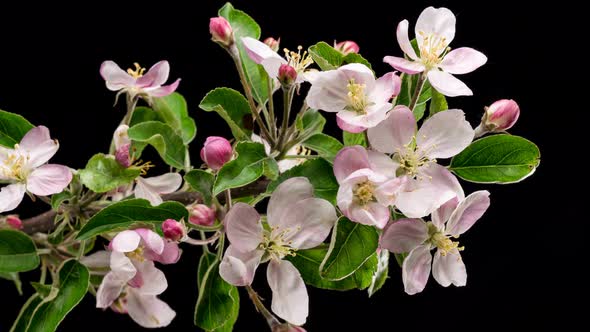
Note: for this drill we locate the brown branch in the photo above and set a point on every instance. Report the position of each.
(44, 222)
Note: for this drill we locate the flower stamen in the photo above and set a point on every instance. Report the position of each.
(299, 61)
(138, 72)
(363, 192)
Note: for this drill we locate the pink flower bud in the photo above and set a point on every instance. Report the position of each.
(287, 74)
(14, 221)
(346, 47)
(288, 328)
(201, 214)
(501, 115)
(272, 43)
(216, 152)
(173, 230)
(122, 155)
(221, 31)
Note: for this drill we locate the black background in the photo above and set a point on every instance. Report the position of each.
(523, 258)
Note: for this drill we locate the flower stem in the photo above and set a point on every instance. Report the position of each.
(418, 90)
(131, 104)
(271, 320)
(288, 92)
(271, 109)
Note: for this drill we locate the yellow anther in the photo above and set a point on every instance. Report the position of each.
(357, 99)
(363, 192)
(138, 72)
(299, 61)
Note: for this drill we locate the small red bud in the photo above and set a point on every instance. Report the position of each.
(221, 31)
(216, 152)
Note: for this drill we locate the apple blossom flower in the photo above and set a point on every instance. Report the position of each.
(499, 117)
(263, 55)
(297, 220)
(285, 164)
(221, 31)
(352, 90)
(152, 188)
(272, 43)
(216, 152)
(135, 82)
(443, 135)
(25, 169)
(173, 230)
(201, 214)
(418, 238)
(122, 145)
(435, 29)
(133, 280)
(368, 185)
(347, 47)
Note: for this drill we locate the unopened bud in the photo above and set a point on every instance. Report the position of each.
(287, 74)
(273, 43)
(500, 116)
(201, 214)
(287, 328)
(347, 47)
(14, 221)
(216, 152)
(122, 155)
(173, 230)
(221, 31)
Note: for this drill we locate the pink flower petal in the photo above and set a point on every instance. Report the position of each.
(360, 73)
(115, 77)
(120, 137)
(349, 160)
(449, 269)
(154, 280)
(382, 164)
(238, 268)
(109, 290)
(164, 90)
(416, 269)
(271, 65)
(147, 310)
(448, 84)
(152, 188)
(404, 235)
(39, 146)
(439, 22)
(463, 60)
(170, 254)
(126, 241)
(468, 212)
(441, 215)
(403, 65)
(243, 227)
(289, 294)
(259, 51)
(374, 115)
(328, 91)
(49, 179)
(386, 193)
(349, 127)
(98, 260)
(395, 132)
(445, 134)
(156, 76)
(151, 240)
(373, 214)
(404, 41)
(284, 196)
(310, 222)
(11, 196)
(385, 88)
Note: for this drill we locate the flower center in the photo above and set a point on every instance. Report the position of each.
(143, 167)
(136, 254)
(138, 72)
(357, 100)
(363, 192)
(276, 245)
(299, 61)
(441, 241)
(412, 159)
(432, 48)
(14, 165)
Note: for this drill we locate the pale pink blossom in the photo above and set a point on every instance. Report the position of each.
(347, 47)
(443, 135)
(297, 220)
(435, 29)
(352, 91)
(25, 169)
(263, 55)
(499, 117)
(216, 152)
(221, 31)
(418, 238)
(201, 214)
(285, 164)
(122, 145)
(272, 43)
(154, 187)
(136, 82)
(368, 185)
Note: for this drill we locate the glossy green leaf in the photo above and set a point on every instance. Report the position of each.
(17, 252)
(163, 138)
(201, 182)
(328, 58)
(58, 199)
(326, 146)
(355, 58)
(13, 128)
(352, 244)
(381, 273)
(319, 172)
(271, 169)
(310, 122)
(122, 215)
(438, 103)
(73, 280)
(351, 139)
(103, 173)
(26, 312)
(174, 111)
(232, 107)
(497, 159)
(244, 169)
(144, 114)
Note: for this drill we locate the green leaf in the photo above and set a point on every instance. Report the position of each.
(232, 107)
(144, 114)
(409, 83)
(497, 159)
(72, 283)
(351, 139)
(310, 122)
(201, 182)
(122, 215)
(326, 146)
(14, 277)
(163, 138)
(17, 252)
(245, 26)
(26, 312)
(352, 244)
(47, 292)
(174, 111)
(103, 173)
(219, 302)
(328, 58)
(381, 274)
(246, 168)
(438, 103)
(13, 128)
(364, 275)
(58, 199)
(271, 169)
(355, 58)
(320, 174)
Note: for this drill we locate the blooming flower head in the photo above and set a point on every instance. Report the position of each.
(136, 82)
(368, 185)
(442, 136)
(133, 283)
(263, 55)
(296, 221)
(361, 100)
(24, 168)
(418, 238)
(435, 29)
